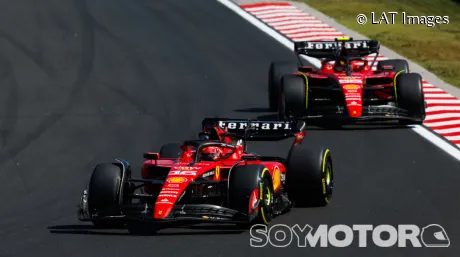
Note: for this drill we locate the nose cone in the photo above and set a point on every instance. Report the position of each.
(162, 208)
(174, 186)
(355, 111)
(353, 99)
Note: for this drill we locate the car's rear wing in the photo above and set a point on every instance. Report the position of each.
(340, 47)
(257, 130)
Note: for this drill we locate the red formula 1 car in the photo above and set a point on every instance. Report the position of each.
(345, 89)
(213, 179)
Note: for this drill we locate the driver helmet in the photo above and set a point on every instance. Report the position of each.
(340, 65)
(212, 153)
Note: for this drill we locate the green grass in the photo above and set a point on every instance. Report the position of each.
(435, 48)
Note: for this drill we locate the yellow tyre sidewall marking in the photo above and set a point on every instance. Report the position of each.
(306, 88)
(262, 212)
(394, 84)
(323, 179)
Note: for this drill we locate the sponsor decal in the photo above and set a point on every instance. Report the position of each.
(172, 189)
(169, 192)
(254, 200)
(182, 172)
(212, 217)
(350, 79)
(164, 201)
(351, 87)
(186, 168)
(209, 173)
(354, 103)
(343, 81)
(167, 195)
(256, 125)
(177, 180)
(276, 178)
(334, 45)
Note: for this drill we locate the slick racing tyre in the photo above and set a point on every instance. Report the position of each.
(309, 176)
(277, 70)
(103, 192)
(170, 151)
(398, 65)
(293, 96)
(409, 96)
(250, 186)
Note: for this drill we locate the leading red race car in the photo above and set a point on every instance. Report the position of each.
(345, 89)
(213, 179)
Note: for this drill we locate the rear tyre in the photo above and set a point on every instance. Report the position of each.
(251, 186)
(103, 193)
(277, 70)
(170, 151)
(293, 96)
(398, 65)
(409, 96)
(309, 176)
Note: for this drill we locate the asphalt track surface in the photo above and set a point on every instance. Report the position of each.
(86, 83)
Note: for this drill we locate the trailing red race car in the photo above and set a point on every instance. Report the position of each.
(213, 179)
(345, 87)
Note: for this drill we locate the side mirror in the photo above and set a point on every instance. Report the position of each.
(151, 156)
(387, 67)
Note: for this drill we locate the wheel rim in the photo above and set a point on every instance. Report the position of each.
(266, 209)
(268, 197)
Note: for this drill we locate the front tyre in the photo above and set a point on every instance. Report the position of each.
(309, 176)
(410, 97)
(103, 193)
(251, 193)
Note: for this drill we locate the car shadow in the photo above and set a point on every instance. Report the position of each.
(254, 109)
(91, 230)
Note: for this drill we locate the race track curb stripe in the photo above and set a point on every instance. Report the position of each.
(443, 109)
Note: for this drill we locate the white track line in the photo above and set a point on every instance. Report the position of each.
(421, 130)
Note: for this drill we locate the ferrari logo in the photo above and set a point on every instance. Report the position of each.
(217, 173)
(160, 212)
